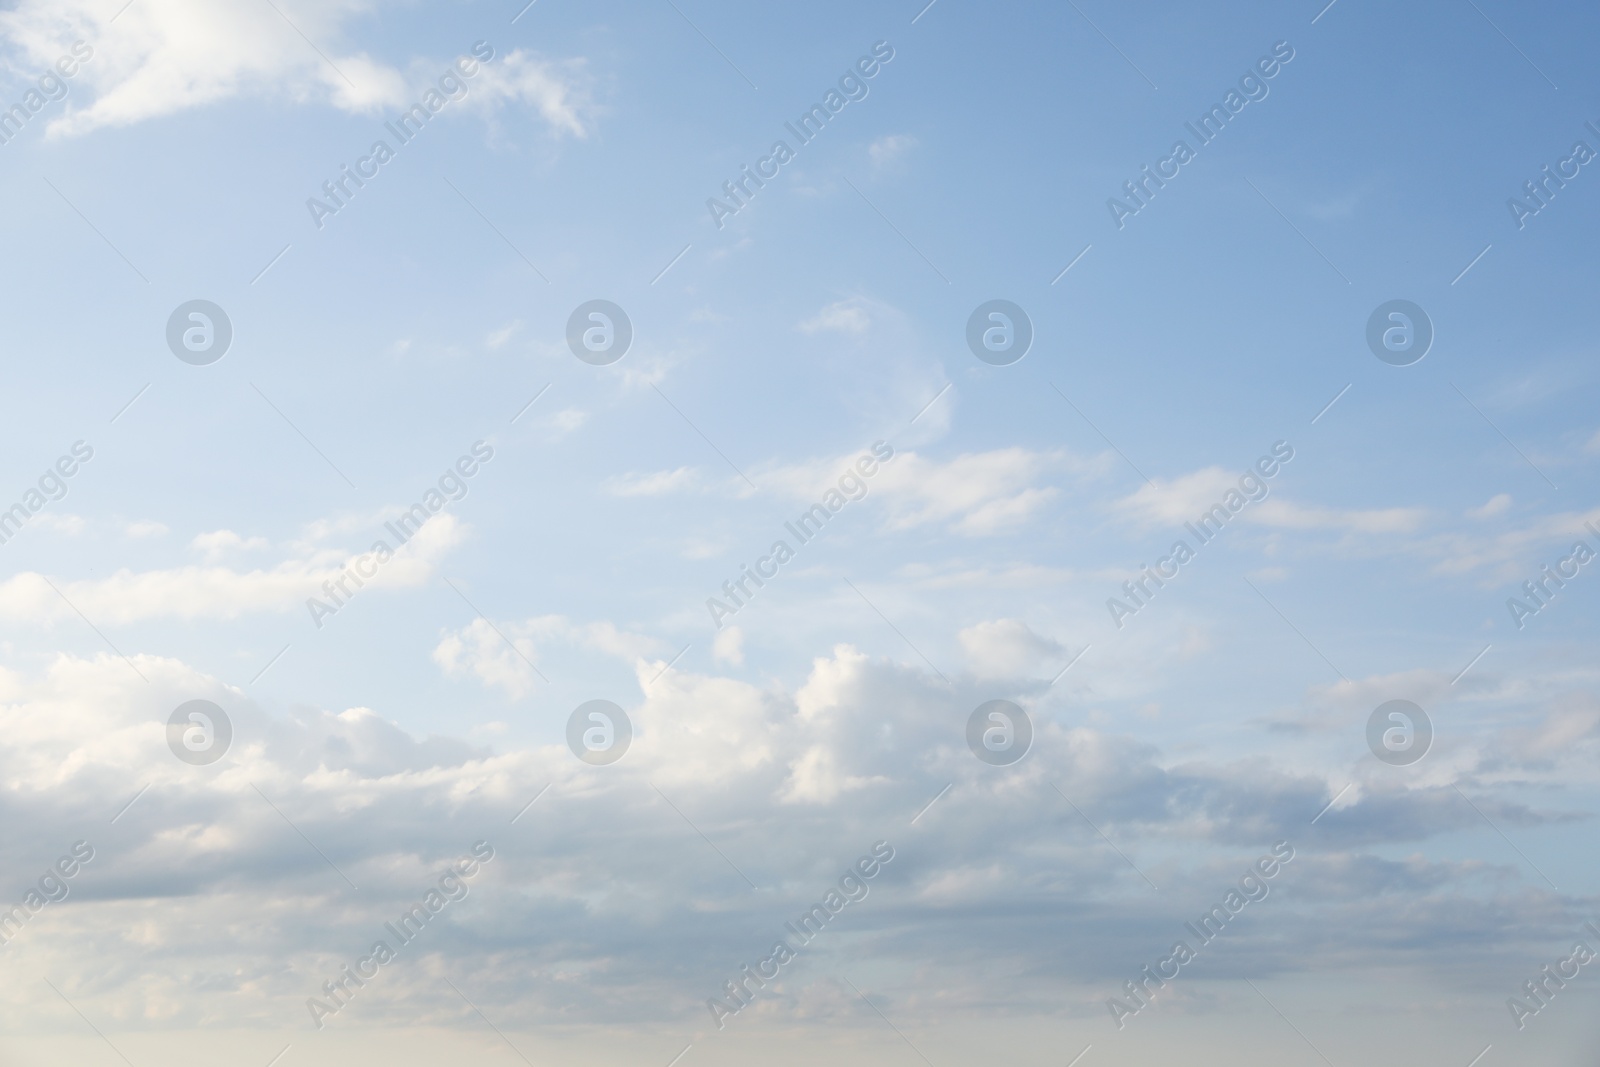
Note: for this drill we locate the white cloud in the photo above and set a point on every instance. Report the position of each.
(1346, 704)
(728, 646)
(656, 483)
(1498, 504)
(1508, 553)
(1341, 206)
(556, 89)
(890, 149)
(499, 337)
(842, 316)
(161, 57)
(480, 650)
(145, 528)
(1006, 648)
(218, 592)
(1173, 502)
(816, 778)
(165, 56)
(702, 548)
(218, 543)
(645, 371)
(1570, 729)
(841, 760)
(1288, 515)
(566, 420)
(62, 523)
(976, 493)
(607, 638)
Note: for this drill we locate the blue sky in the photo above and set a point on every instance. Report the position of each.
(829, 314)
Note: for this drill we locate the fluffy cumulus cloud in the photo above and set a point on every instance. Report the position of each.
(321, 826)
(483, 651)
(506, 655)
(1006, 648)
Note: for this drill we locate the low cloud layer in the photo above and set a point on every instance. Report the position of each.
(226, 895)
